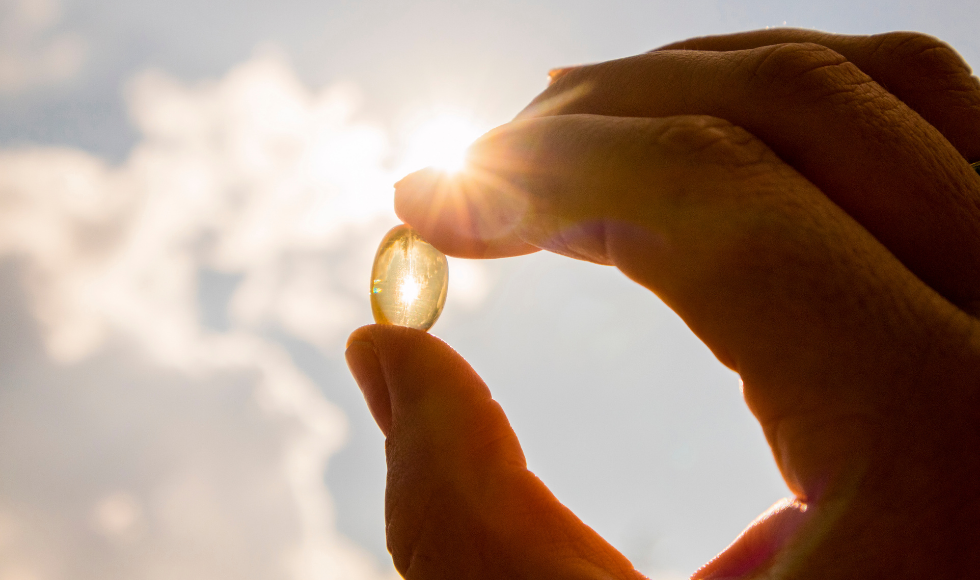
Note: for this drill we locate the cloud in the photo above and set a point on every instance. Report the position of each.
(252, 179)
(252, 175)
(32, 51)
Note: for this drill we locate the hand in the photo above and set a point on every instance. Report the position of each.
(804, 203)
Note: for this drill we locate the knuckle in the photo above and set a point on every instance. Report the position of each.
(714, 163)
(783, 63)
(710, 141)
(923, 56)
(934, 79)
(808, 72)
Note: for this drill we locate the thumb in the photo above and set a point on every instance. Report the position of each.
(460, 502)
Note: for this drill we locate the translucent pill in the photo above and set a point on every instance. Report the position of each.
(409, 280)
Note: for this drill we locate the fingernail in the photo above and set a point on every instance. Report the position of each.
(416, 197)
(556, 73)
(364, 365)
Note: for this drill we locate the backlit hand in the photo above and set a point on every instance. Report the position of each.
(804, 202)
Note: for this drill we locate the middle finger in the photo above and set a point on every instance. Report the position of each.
(924, 72)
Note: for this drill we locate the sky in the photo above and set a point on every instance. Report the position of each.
(191, 193)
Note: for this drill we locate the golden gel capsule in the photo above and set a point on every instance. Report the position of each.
(409, 280)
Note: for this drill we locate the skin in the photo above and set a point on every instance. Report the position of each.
(804, 202)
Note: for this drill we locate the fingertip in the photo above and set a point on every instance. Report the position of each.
(421, 198)
(416, 193)
(464, 214)
(392, 341)
(419, 366)
(396, 366)
(396, 345)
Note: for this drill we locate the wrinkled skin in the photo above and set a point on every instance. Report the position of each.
(804, 202)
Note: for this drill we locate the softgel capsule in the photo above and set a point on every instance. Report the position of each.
(409, 280)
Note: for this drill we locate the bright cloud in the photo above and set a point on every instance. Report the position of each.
(32, 51)
(253, 177)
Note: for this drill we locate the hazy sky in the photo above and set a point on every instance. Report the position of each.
(190, 196)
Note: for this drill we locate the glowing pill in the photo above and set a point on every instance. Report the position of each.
(409, 280)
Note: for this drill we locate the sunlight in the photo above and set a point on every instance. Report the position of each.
(441, 141)
(409, 290)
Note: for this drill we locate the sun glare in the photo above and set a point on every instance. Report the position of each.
(441, 141)
(409, 290)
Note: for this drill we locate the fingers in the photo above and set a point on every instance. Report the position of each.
(867, 150)
(924, 72)
(460, 502)
(824, 325)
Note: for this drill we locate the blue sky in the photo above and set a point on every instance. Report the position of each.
(192, 192)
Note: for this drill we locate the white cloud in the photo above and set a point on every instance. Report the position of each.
(117, 515)
(32, 51)
(253, 176)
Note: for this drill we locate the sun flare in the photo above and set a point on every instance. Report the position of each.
(441, 141)
(409, 290)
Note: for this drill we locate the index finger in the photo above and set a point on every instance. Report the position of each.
(862, 146)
